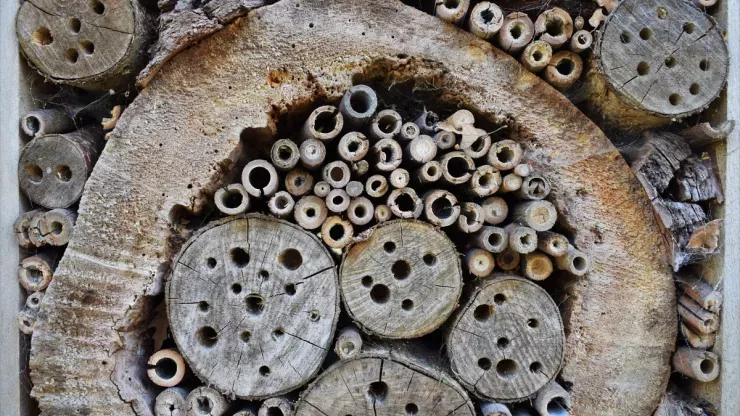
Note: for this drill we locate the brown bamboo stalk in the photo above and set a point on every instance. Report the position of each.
(697, 364)
(479, 263)
(537, 266)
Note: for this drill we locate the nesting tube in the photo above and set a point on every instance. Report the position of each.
(427, 122)
(376, 186)
(298, 182)
(523, 170)
(536, 56)
(538, 215)
(579, 22)
(232, 199)
(444, 139)
(573, 261)
(554, 26)
(441, 207)
(387, 155)
(479, 263)
(494, 409)
(35, 272)
(321, 189)
(537, 266)
(260, 179)
(453, 11)
(56, 226)
(695, 317)
(337, 201)
(354, 188)
(26, 321)
(360, 211)
(421, 150)
(522, 239)
(337, 232)
(21, 228)
(409, 131)
(470, 219)
(553, 400)
(281, 204)
(336, 174)
(360, 168)
(382, 213)
(697, 339)
(516, 32)
(461, 118)
(385, 125)
(285, 155)
(697, 364)
(400, 178)
(552, 243)
(510, 183)
(313, 153)
(495, 210)
(404, 203)
(701, 292)
(505, 155)
(310, 212)
(323, 124)
(486, 19)
(564, 69)
(41, 122)
(430, 172)
(276, 406)
(490, 238)
(207, 397)
(480, 146)
(171, 402)
(485, 181)
(353, 146)
(33, 301)
(581, 41)
(358, 106)
(34, 231)
(349, 342)
(534, 188)
(166, 368)
(508, 259)
(457, 168)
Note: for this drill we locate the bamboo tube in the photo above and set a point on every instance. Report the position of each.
(56, 226)
(37, 123)
(581, 41)
(427, 122)
(281, 204)
(249, 410)
(523, 170)
(310, 212)
(538, 215)
(285, 155)
(353, 146)
(385, 125)
(360, 168)
(376, 186)
(579, 22)
(573, 261)
(493, 239)
(453, 11)
(260, 179)
(382, 213)
(276, 406)
(358, 106)
(440, 207)
(409, 131)
(354, 188)
(337, 201)
(33, 301)
(457, 168)
(480, 146)
(597, 18)
(564, 70)
(485, 181)
(323, 124)
(298, 182)
(387, 155)
(171, 402)
(400, 178)
(232, 199)
(321, 189)
(360, 211)
(495, 210)
(336, 174)
(207, 397)
(444, 140)
(479, 263)
(349, 342)
(166, 368)
(461, 118)
(421, 150)
(553, 400)
(696, 318)
(494, 409)
(486, 19)
(534, 187)
(536, 56)
(404, 203)
(21, 227)
(551, 243)
(34, 231)
(522, 239)
(430, 172)
(313, 153)
(697, 339)
(697, 364)
(25, 321)
(470, 219)
(508, 259)
(337, 232)
(505, 155)
(554, 26)
(510, 183)
(35, 272)
(516, 32)
(701, 292)
(537, 266)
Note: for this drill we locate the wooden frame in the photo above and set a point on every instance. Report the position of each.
(14, 100)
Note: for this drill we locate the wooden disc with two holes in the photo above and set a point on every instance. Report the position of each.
(404, 281)
(253, 304)
(663, 56)
(508, 340)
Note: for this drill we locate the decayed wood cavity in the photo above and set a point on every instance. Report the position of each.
(252, 304)
(388, 280)
(507, 342)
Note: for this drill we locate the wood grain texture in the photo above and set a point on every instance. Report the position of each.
(617, 352)
(404, 281)
(507, 342)
(665, 57)
(252, 304)
(384, 381)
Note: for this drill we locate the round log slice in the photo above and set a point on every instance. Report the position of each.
(253, 304)
(507, 342)
(402, 282)
(384, 382)
(621, 319)
(665, 57)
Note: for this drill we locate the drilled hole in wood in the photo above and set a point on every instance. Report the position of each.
(643, 68)
(245, 336)
(255, 304)
(42, 36)
(274, 411)
(290, 289)
(264, 274)
(694, 89)
(63, 173)
(74, 25)
(389, 247)
(34, 172)
(203, 306)
(278, 333)
(535, 367)
(97, 6)
(429, 259)
(264, 371)
(166, 368)
(367, 281)
(239, 257)
(533, 323)
(347, 347)
(380, 294)
(625, 38)
(87, 47)
(704, 65)
(483, 313)
(71, 55)
(231, 199)
(499, 299)
(206, 336)
(506, 369)
(646, 34)
(377, 391)
(401, 269)
(236, 288)
(689, 27)
(211, 262)
(484, 364)
(565, 66)
(662, 13)
(411, 409)
(407, 304)
(670, 61)
(314, 315)
(291, 259)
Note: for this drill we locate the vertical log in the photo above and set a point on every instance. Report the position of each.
(323, 124)
(285, 155)
(697, 364)
(385, 286)
(166, 368)
(42, 122)
(260, 179)
(232, 199)
(171, 402)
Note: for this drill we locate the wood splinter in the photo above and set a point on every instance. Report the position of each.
(276, 406)
(479, 263)
(441, 207)
(166, 368)
(537, 266)
(281, 204)
(285, 155)
(232, 199)
(299, 182)
(171, 402)
(349, 342)
(697, 364)
(35, 272)
(205, 401)
(323, 124)
(260, 179)
(404, 203)
(41, 122)
(553, 400)
(573, 261)
(489, 238)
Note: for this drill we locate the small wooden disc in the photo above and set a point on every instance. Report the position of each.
(508, 340)
(253, 303)
(663, 56)
(402, 282)
(383, 384)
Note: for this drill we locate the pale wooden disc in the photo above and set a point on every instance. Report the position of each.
(253, 303)
(663, 56)
(74, 39)
(373, 384)
(403, 281)
(507, 342)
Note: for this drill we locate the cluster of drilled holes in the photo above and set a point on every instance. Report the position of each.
(35, 174)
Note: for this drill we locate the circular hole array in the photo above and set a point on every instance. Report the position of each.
(674, 99)
(625, 38)
(236, 288)
(704, 65)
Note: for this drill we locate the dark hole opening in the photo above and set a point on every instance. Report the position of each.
(487, 16)
(206, 336)
(442, 208)
(407, 304)
(166, 368)
(360, 211)
(565, 66)
(291, 259)
(336, 173)
(325, 122)
(506, 368)
(367, 281)
(274, 411)
(495, 239)
(537, 56)
(411, 409)
(483, 312)
(502, 342)
(380, 294)
(516, 30)
(457, 167)
(239, 257)
(232, 199)
(401, 269)
(255, 304)
(290, 289)
(353, 146)
(484, 364)
(259, 177)
(377, 391)
(360, 102)
(554, 27)
(389, 247)
(285, 153)
(405, 203)
(204, 404)
(32, 124)
(388, 123)
(430, 259)
(336, 232)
